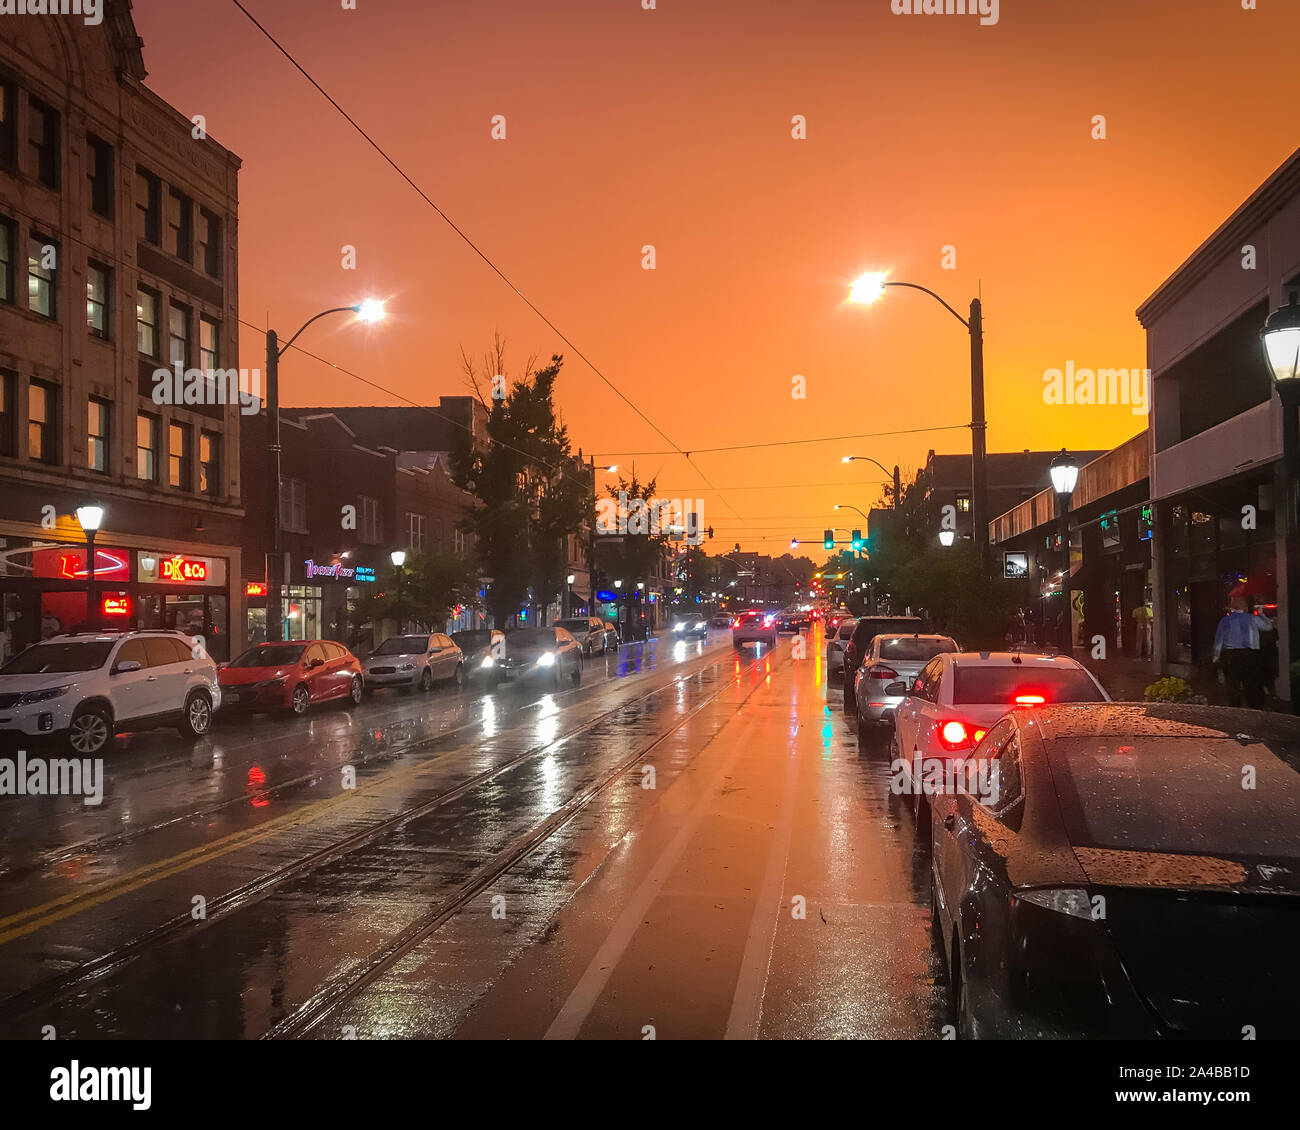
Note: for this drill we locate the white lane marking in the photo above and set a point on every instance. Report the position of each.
(751, 982)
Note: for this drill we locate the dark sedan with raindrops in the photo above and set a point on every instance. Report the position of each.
(1122, 871)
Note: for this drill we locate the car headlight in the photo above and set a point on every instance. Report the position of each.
(407, 667)
(699, 624)
(546, 659)
(1064, 900)
(487, 661)
(44, 695)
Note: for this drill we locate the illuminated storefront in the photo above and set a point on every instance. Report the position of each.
(313, 610)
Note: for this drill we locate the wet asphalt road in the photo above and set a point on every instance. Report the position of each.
(692, 844)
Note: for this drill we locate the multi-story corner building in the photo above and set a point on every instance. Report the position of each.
(117, 257)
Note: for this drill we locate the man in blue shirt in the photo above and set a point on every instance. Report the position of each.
(1236, 650)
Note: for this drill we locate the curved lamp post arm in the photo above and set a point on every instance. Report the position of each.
(317, 318)
(927, 290)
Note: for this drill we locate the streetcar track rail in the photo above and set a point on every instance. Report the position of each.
(221, 906)
(346, 986)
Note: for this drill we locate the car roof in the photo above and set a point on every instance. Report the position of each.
(1028, 660)
(912, 636)
(112, 635)
(1160, 720)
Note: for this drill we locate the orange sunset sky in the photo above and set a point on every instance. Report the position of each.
(672, 127)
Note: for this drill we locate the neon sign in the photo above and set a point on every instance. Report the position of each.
(108, 566)
(255, 588)
(180, 568)
(339, 571)
(117, 606)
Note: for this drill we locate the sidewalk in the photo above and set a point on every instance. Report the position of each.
(1126, 680)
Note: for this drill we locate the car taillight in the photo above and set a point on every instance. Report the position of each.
(881, 672)
(736, 622)
(1030, 699)
(955, 735)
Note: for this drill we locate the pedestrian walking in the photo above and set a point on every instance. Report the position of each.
(1142, 619)
(1236, 651)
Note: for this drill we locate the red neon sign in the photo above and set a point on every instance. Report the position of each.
(255, 588)
(109, 565)
(117, 606)
(180, 568)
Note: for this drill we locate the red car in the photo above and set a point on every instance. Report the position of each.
(291, 676)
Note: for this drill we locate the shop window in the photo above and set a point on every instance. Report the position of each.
(1200, 536)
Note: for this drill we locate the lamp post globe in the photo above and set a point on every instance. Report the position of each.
(1064, 473)
(1281, 341)
(90, 516)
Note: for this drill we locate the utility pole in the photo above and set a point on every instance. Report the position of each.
(275, 561)
(978, 438)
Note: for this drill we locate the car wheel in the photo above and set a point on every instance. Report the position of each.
(301, 700)
(936, 926)
(426, 680)
(355, 693)
(90, 732)
(459, 677)
(196, 717)
(959, 994)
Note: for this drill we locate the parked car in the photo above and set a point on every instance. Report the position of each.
(958, 696)
(754, 626)
(689, 625)
(837, 639)
(542, 654)
(1119, 882)
(864, 631)
(415, 661)
(593, 634)
(889, 659)
(835, 617)
(292, 676)
(83, 688)
(484, 650)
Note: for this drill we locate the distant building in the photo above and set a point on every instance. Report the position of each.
(118, 256)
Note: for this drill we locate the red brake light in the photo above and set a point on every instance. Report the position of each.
(881, 672)
(1030, 699)
(954, 736)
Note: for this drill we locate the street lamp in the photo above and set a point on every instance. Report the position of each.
(868, 459)
(90, 517)
(398, 558)
(1064, 473)
(846, 506)
(1281, 339)
(870, 288)
(369, 311)
(947, 537)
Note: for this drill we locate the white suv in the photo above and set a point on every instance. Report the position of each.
(88, 686)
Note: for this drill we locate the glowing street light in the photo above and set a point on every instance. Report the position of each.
(868, 288)
(370, 311)
(90, 517)
(947, 537)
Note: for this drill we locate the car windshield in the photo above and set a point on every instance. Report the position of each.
(403, 645)
(905, 649)
(532, 637)
(272, 655)
(846, 630)
(1007, 684)
(1177, 796)
(573, 625)
(467, 640)
(864, 630)
(57, 658)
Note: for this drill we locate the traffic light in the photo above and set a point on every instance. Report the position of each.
(857, 541)
(828, 539)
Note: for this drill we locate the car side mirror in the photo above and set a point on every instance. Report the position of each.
(127, 665)
(316, 663)
(896, 688)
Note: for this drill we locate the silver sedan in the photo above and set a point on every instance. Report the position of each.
(414, 661)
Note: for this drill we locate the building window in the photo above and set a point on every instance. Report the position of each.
(209, 347)
(293, 505)
(42, 260)
(99, 172)
(209, 243)
(180, 225)
(8, 121)
(42, 417)
(8, 414)
(437, 534)
(97, 417)
(148, 207)
(146, 322)
(43, 138)
(180, 456)
(146, 447)
(414, 531)
(178, 335)
(209, 463)
(963, 502)
(459, 541)
(8, 238)
(372, 526)
(98, 287)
